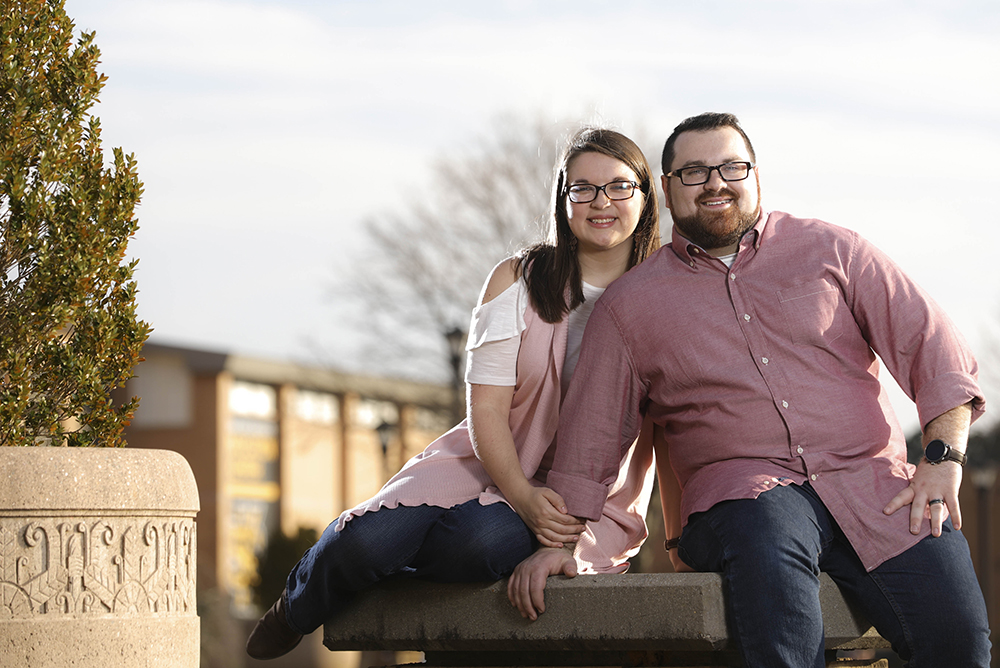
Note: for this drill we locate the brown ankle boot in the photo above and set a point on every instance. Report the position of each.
(273, 637)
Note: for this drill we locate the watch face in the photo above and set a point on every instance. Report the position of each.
(935, 450)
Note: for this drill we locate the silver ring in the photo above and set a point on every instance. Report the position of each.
(933, 501)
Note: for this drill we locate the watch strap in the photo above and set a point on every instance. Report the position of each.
(953, 455)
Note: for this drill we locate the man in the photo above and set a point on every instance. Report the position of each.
(750, 339)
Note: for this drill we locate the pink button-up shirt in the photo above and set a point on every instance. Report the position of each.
(765, 374)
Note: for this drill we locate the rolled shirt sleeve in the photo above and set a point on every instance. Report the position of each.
(600, 418)
(919, 344)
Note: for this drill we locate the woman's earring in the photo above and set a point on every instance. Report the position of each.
(572, 244)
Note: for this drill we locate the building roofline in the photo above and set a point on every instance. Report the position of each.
(316, 378)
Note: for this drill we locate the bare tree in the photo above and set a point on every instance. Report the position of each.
(427, 263)
(989, 374)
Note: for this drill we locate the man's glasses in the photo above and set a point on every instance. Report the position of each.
(729, 171)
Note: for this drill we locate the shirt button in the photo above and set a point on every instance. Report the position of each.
(774, 479)
(813, 476)
(764, 360)
(784, 404)
(746, 316)
(732, 277)
(799, 450)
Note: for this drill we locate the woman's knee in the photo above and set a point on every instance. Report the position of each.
(501, 548)
(479, 561)
(384, 540)
(477, 543)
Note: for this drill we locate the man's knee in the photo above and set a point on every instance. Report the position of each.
(779, 529)
(931, 604)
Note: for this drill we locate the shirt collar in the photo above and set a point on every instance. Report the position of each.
(687, 250)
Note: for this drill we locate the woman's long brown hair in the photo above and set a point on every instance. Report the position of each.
(552, 267)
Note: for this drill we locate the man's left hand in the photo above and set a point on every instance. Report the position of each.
(931, 482)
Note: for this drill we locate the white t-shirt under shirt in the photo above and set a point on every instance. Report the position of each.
(495, 336)
(576, 323)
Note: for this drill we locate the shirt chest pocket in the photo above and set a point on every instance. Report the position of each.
(814, 313)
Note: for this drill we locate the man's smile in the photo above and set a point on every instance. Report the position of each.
(718, 200)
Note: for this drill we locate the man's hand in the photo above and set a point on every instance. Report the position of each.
(931, 482)
(936, 485)
(526, 586)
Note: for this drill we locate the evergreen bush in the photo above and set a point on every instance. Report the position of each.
(69, 333)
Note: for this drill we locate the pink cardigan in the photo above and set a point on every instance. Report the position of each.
(448, 473)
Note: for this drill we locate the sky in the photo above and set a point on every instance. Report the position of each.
(266, 132)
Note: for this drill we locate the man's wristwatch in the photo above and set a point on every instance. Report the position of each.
(938, 451)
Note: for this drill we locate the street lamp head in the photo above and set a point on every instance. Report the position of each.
(456, 342)
(384, 431)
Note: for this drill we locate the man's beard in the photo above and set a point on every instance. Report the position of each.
(718, 230)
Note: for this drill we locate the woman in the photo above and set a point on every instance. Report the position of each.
(473, 505)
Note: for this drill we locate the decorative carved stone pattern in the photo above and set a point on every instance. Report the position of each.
(109, 566)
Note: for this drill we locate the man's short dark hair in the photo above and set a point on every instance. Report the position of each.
(702, 123)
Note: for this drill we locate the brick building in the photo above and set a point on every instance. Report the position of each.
(274, 445)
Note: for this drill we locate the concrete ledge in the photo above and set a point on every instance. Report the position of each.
(632, 612)
(153, 642)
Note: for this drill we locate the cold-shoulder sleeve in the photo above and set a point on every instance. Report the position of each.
(495, 337)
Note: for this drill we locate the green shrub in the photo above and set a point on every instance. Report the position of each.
(69, 333)
(276, 561)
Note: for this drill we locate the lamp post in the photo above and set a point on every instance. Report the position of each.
(384, 431)
(456, 346)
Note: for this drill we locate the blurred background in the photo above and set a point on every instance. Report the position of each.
(327, 184)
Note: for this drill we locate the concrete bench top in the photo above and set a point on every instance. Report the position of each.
(651, 612)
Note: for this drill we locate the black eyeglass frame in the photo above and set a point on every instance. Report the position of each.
(679, 173)
(598, 189)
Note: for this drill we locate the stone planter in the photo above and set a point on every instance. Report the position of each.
(98, 558)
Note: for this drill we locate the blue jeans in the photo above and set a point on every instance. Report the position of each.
(467, 543)
(770, 550)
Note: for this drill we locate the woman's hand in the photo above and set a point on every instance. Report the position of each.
(544, 511)
(541, 509)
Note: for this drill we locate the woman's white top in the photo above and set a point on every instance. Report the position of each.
(575, 325)
(494, 336)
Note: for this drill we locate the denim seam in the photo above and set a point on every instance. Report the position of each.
(900, 618)
(288, 612)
